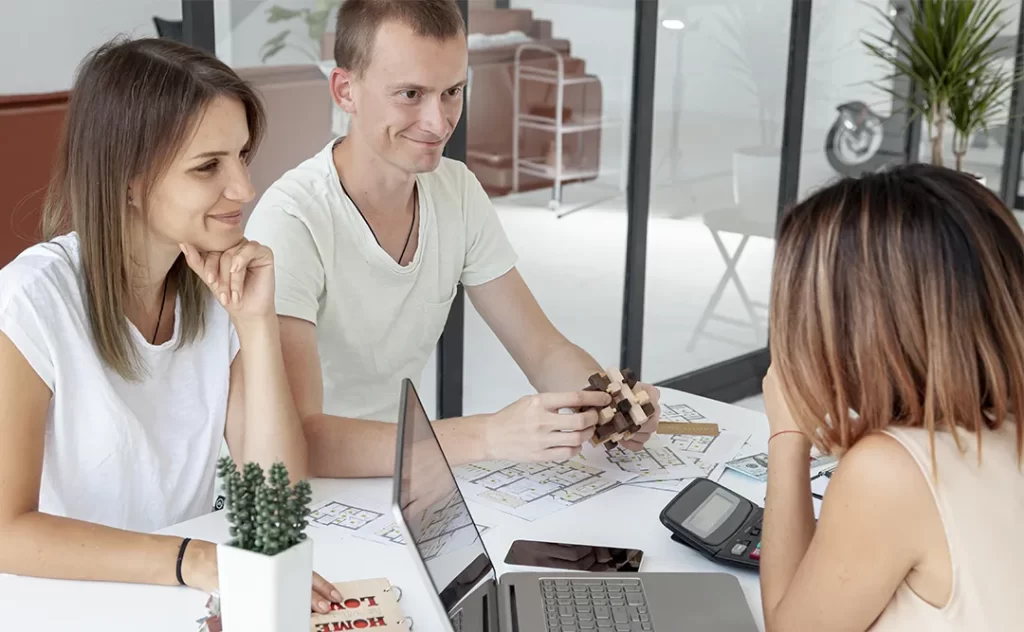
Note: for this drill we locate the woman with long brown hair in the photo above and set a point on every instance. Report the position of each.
(897, 339)
(141, 335)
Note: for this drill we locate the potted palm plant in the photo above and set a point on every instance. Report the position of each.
(264, 571)
(946, 47)
(974, 109)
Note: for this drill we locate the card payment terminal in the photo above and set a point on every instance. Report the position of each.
(720, 524)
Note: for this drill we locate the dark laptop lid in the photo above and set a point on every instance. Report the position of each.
(434, 509)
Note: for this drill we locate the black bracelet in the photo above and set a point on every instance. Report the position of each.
(181, 556)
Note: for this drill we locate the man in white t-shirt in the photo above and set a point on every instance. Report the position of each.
(371, 238)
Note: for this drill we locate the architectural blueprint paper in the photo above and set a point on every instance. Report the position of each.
(533, 490)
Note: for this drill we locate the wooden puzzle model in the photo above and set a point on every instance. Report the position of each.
(627, 412)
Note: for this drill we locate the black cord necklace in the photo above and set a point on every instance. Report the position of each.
(412, 224)
(160, 315)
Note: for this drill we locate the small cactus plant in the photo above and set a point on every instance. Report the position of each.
(267, 514)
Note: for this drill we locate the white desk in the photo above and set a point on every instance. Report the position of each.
(626, 516)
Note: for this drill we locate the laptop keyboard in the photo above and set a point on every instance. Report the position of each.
(571, 605)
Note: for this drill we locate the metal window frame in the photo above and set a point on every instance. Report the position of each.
(914, 122)
(197, 25)
(638, 183)
(451, 346)
(1010, 184)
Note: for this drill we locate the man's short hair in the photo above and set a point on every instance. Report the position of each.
(360, 20)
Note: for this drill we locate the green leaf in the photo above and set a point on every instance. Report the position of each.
(946, 47)
(273, 45)
(269, 52)
(316, 24)
(280, 14)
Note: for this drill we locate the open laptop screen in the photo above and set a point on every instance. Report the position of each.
(434, 509)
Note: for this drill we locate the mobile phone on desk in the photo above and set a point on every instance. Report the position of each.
(574, 557)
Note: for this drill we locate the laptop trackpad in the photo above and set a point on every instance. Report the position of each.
(697, 602)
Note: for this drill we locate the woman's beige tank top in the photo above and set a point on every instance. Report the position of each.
(982, 509)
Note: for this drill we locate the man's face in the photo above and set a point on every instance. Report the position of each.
(409, 100)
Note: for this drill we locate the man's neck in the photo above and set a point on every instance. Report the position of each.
(375, 186)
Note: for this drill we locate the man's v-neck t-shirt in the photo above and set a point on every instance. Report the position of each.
(377, 321)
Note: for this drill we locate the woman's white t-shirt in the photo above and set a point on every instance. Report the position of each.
(133, 455)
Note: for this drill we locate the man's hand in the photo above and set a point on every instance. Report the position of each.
(532, 429)
(637, 441)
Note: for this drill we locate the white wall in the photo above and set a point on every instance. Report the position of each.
(49, 38)
(42, 42)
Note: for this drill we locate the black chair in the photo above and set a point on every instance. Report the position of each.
(170, 29)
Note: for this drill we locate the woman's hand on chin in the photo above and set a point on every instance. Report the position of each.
(241, 278)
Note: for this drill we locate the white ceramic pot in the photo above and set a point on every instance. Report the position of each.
(263, 593)
(755, 181)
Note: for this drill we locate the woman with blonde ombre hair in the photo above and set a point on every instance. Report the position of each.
(897, 338)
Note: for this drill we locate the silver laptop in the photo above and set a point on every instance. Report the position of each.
(451, 558)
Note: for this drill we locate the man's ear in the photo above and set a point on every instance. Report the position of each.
(341, 82)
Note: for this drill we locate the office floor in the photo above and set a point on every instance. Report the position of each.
(575, 267)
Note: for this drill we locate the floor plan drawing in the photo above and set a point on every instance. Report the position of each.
(659, 460)
(446, 526)
(680, 412)
(693, 443)
(532, 490)
(698, 455)
(337, 514)
(389, 533)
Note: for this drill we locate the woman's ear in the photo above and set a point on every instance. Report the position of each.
(133, 194)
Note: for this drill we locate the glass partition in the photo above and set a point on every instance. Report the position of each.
(556, 179)
(719, 105)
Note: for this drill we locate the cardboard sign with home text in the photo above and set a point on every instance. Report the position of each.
(369, 604)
